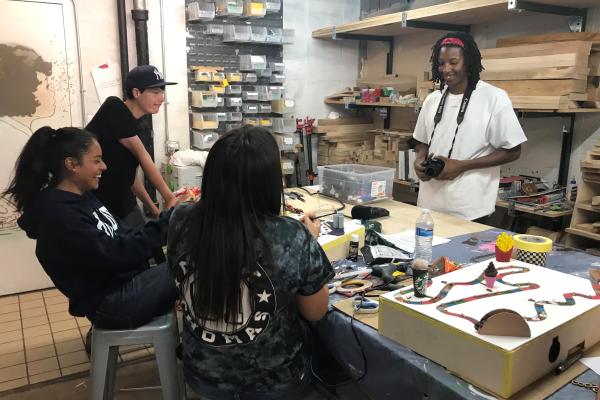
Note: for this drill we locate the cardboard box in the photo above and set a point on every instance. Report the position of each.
(502, 365)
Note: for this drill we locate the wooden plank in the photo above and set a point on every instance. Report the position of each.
(344, 121)
(331, 130)
(538, 49)
(536, 73)
(579, 59)
(557, 87)
(540, 102)
(593, 37)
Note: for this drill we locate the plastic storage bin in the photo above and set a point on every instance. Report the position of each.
(217, 76)
(273, 6)
(229, 127)
(287, 167)
(217, 88)
(220, 101)
(221, 116)
(252, 63)
(284, 125)
(202, 76)
(233, 101)
(236, 33)
(287, 36)
(276, 92)
(197, 11)
(286, 142)
(355, 183)
(249, 95)
(274, 35)
(277, 78)
(249, 108)
(234, 116)
(230, 8)
(264, 108)
(258, 34)
(266, 122)
(187, 176)
(249, 77)
(203, 99)
(254, 8)
(203, 121)
(264, 73)
(233, 77)
(283, 106)
(203, 140)
(213, 29)
(233, 89)
(277, 66)
(251, 121)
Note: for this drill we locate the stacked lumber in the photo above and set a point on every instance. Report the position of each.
(551, 71)
(344, 141)
(590, 166)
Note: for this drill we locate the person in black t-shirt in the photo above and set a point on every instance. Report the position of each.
(115, 126)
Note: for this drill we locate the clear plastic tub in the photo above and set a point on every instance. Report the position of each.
(277, 78)
(249, 95)
(284, 125)
(283, 106)
(220, 101)
(286, 142)
(249, 108)
(252, 63)
(197, 11)
(217, 76)
(233, 89)
(259, 34)
(254, 8)
(229, 127)
(213, 29)
(202, 76)
(273, 6)
(264, 108)
(233, 77)
(249, 77)
(276, 92)
(203, 140)
(287, 36)
(237, 33)
(222, 116)
(263, 93)
(274, 35)
(234, 116)
(203, 121)
(203, 99)
(264, 73)
(277, 66)
(355, 183)
(251, 121)
(230, 8)
(233, 101)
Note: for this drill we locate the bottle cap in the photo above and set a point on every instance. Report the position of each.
(355, 238)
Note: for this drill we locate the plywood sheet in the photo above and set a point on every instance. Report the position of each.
(528, 87)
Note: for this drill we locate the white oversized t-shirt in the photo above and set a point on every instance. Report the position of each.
(489, 123)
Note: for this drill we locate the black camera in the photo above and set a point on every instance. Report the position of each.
(433, 166)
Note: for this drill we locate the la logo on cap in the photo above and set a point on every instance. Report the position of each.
(158, 75)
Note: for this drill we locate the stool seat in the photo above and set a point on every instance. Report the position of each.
(160, 332)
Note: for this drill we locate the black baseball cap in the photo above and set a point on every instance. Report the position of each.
(145, 76)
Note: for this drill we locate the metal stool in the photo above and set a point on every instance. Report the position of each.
(161, 332)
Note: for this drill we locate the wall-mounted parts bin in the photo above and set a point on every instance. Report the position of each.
(233, 101)
(288, 36)
(233, 89)
(237, 33)
(197, 11)
(217, 76)
(266, 122)
(252, 63)
(251, 121)
(287, 167)
(203, 121)
(283, 106)
(254, 8)
(202, 76)
(222, 116)
(249, 108)
(276, 92)
(264, 108)
(217, 88)
(274, 35)
(284, 125)
(203, 99)
(286, 142)
(233, 77)
(220, 101)
(273, 6)
(277, 78)
(213, 29)
(203, 140)
(258, 34)
(264, 73)
(229, 127)
(230, 8)
(248, 95)
(277, 66)
(234, 116)
(249, 77)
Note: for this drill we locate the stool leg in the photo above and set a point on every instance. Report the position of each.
(109, 387)
(164, 349)
(98, 370)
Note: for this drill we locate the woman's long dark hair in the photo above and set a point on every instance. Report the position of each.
(471, 55)
(241, 185)
(41, 162)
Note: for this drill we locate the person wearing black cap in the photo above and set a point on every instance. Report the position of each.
(115, 125)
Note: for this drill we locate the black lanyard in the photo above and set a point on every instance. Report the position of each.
(461, 114)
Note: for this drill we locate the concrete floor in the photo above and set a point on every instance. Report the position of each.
(139, 381)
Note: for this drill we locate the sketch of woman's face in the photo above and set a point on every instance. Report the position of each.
(44, 97)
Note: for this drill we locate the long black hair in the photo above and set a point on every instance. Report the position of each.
(41, 162)
(241, 185)
(471, 55)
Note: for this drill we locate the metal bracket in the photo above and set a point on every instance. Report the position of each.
(432, 25)
(578, 15)
(372, 38)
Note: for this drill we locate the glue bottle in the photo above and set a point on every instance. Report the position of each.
(353, 248)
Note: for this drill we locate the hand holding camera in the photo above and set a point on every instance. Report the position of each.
(433, 166)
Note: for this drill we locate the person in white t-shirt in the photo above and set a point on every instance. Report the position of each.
(459, 150)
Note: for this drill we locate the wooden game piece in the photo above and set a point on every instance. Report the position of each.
(503, 322)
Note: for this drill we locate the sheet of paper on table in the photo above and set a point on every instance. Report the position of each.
(406, 240)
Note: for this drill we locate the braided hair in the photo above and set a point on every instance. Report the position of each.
(471, 55)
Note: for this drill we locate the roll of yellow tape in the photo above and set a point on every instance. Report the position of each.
(532, 243)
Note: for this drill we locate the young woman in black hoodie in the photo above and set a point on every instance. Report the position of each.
(98, 263)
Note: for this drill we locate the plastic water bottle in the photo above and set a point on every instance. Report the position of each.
(423, 236)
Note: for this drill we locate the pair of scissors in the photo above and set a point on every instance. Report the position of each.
(362, 305)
